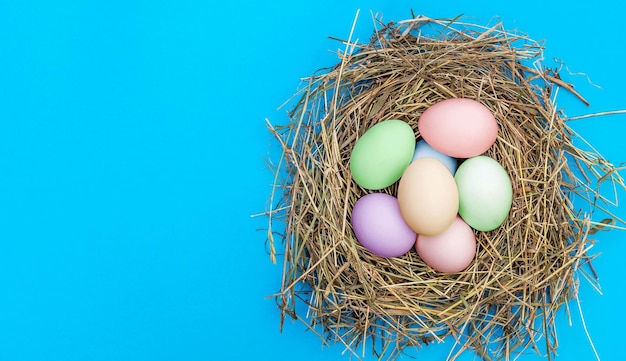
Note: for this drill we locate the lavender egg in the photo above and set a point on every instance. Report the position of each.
(378, 225)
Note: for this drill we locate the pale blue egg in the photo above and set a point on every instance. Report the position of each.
(424, 150)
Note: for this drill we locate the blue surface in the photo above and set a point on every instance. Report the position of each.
(132, 139)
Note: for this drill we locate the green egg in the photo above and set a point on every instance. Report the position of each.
(485, 193)
(381, 155)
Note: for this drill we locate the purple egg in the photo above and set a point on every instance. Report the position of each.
(379, 226)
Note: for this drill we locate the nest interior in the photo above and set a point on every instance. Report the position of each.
(524, 271)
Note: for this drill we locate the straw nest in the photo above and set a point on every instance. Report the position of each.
(506, 300)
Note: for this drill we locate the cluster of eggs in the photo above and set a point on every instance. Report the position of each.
(447, 188)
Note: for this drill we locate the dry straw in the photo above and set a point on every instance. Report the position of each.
(505, 302)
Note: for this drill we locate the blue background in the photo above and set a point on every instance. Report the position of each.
(132, 145)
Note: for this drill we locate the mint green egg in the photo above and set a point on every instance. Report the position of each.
(382, 154)
(485, 193)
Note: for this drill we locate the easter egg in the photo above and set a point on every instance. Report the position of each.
(381, 155)
(424, 150)
(379, 226)
(428, 197)
(450, 251)
(459, 127)
(485, 193)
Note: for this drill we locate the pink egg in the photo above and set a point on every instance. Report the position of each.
(379, 226)
(451, 251)
(458, 127)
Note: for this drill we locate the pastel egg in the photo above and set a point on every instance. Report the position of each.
(451, 251)
(379, 226)
(459, 127)
(381, 155)
(485, 193)
(428, 197)
(424, 150)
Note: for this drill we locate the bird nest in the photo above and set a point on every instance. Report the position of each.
(506, 301)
